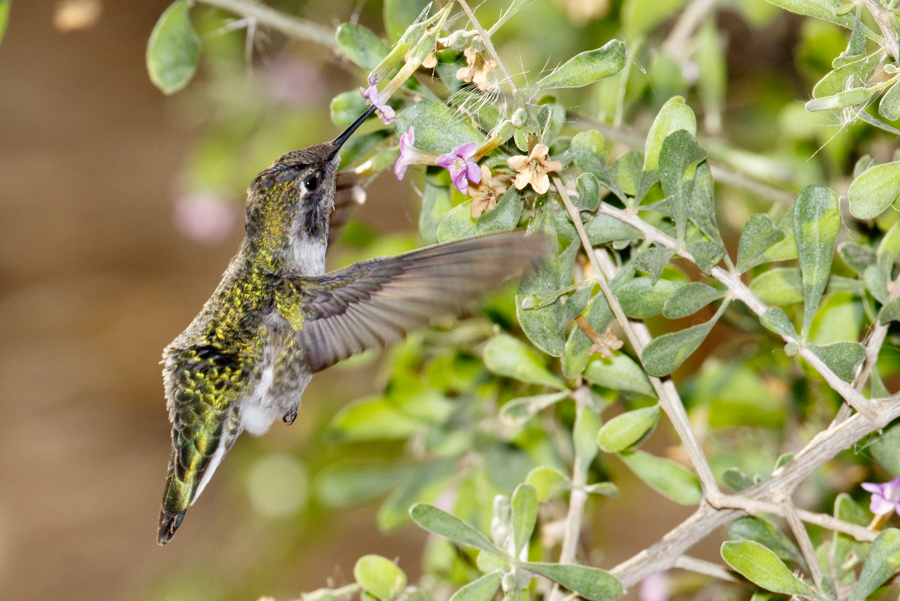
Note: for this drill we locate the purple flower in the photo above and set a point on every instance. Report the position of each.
(462, 170)
(885, 497)
(385, 113)
(410, 155)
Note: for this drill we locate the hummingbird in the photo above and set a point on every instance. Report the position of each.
(276, 318)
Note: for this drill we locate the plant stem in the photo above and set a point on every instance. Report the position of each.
(489, 46)
(701, 566)
(294, 27)
(802, 536)
(639, 336)
(883, 20)
(741, 292)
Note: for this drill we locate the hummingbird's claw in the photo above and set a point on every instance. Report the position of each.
(168, 524)
(291, 415)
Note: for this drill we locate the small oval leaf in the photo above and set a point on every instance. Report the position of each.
(628, 429)
(507, 356)
(379, 576)
(173, 49)
(669, 478)
(587, 67)
(874, 191)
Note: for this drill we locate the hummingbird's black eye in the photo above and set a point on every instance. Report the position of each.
(310, 183)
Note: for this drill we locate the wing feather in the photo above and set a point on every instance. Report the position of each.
(374, 303)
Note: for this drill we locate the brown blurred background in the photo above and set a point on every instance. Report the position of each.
(94, 281)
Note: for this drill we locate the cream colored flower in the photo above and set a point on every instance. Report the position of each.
(485, 193)
(476, 70)
(534, 168)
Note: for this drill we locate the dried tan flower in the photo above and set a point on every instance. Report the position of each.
(534, 168)
(604, 343)
(476, 70)
(485, 193)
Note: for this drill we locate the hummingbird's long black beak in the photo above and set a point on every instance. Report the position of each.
(339, 141)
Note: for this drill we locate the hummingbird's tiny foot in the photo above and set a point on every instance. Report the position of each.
(291, 415)
(168, 524)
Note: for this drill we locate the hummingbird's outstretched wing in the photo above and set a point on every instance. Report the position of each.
(374, 303)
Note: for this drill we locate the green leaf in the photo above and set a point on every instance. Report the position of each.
(514, 7)
(504, 216)
(437, 130)
(882, 562)
(890, 312)
(778, 286)
(587, 67)
(607, 489)
(457, 223)
(703, 205)
(344, 484)
(436, 204)
(874, 191)
(399, 15)
(346, 107)
(707, 255)
(886, 449)
(759, 530)
(524, 515)
(626, 171)
(759, 234)
(584, 437)
(640, 16)
(848, 75)
(856, 257)
(548, 482)
(421, 484)
(762, 567)
(689, 299)
(641, 299)
(827, 10)
(544, 326)
(889, 247)
(4, 16)
(578, 345)
(588, 192)
(673, 116)
(173, 49)
(482, 589)
(507, 356)
(737, 479)
(678, 157)
(380, 577)
(776, 320)
(653, 260)
(817, 219)
(590, 583)
(450, 527)
(619, 373)
(666, 353)
(876, 283)
(628, 429)
(889, 107)
(603, 229)
(518, 411)
(361, 46)
(372, 418)
(844, 358)
(667, 477)
(841, 100)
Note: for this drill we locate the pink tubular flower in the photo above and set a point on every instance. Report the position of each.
(885, 497)
(385, 113)
(653, 588)
(410, 155)
(462, 170)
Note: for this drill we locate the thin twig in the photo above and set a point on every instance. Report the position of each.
(821, 449)
(676, 43)
(639, 337)
(701, 566)
(742, 292)
(802, 536)
(883, 20)
(489, 46)
(294, 27)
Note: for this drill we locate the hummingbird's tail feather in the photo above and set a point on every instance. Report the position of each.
(168, 524)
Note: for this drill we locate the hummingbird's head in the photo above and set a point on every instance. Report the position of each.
(293, 199)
